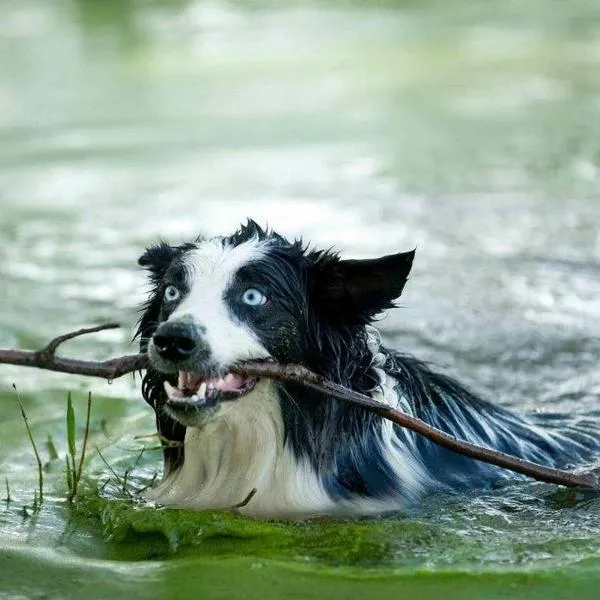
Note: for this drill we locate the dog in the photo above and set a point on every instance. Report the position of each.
(256, 295)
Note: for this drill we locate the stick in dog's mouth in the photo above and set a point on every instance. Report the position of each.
(198, 389)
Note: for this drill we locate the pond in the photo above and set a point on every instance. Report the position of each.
(467, 129)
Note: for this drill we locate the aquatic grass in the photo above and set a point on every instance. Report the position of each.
(73, 463)
(72, 449)
(128, 471)
(164, 442)
(71, 429)
(69, 473)
(76, 471)
(37, 500)
(149, 484)
(119, 482)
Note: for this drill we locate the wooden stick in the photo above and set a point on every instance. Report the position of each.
(50, 349)
(117, 367)
(47, 359)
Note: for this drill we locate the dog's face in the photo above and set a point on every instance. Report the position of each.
(250, 296)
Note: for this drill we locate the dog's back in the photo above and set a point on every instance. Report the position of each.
(447, 405)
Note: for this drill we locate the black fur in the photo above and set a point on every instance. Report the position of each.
(159, 260)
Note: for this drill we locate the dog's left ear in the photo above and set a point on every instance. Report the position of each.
(157, 259)
(354, 291)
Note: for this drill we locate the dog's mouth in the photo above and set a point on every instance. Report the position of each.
(196, 390)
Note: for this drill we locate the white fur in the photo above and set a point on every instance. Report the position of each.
(210, 270)
(242, 448)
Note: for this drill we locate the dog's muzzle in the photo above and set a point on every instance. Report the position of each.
(179, 347)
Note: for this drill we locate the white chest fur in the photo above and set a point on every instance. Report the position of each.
(241, 448)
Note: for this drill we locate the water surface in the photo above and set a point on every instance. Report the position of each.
(467, 129)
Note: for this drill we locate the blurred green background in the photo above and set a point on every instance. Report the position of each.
(465, 128)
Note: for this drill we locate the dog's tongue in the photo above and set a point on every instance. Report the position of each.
(229, 383)
(189, 383)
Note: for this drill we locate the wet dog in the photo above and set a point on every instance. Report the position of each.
(256, 295)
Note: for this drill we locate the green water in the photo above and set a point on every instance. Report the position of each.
(466, 128)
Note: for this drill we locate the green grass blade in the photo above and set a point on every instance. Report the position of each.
(77, 473)
(33, 445)
(71, 427)
(69, 473)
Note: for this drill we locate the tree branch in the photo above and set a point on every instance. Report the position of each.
(47, 359)
(117, 367)
(108, 369)
(50, 349)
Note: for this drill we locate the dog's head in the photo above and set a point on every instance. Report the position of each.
(254, 295)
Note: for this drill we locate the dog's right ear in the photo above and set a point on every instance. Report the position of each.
(157, 259)
(354, 291)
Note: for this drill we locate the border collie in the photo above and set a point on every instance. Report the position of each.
(255, 295)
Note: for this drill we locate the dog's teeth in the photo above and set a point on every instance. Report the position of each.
(181, 380)
(202, 390)
(169, 389)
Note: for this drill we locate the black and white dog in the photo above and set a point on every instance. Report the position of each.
(255, 295)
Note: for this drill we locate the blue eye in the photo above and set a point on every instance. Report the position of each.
(253, 297)
(172, 293)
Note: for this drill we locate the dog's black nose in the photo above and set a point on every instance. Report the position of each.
(176, 341)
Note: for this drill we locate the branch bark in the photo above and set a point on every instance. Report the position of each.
(47, 359)
(117, 367)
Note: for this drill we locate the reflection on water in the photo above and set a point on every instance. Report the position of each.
(467, 130)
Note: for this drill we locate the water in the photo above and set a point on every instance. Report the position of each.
(467, 129)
